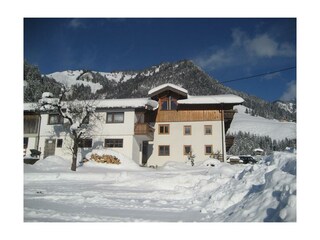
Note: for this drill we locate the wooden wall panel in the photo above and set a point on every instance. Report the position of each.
(188, 116)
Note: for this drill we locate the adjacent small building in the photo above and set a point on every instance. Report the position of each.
(165, 126)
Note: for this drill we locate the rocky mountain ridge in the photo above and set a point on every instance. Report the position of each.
(87, 84)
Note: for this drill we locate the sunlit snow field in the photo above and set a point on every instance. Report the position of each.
(99, 192)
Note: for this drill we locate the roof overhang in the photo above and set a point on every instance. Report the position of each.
(128, 103)
(165, 87)
(212, 99)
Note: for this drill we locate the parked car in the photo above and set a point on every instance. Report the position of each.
(248, 159)
(233, 160)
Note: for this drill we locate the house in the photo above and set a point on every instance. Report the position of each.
(258, 152)
(165, 126)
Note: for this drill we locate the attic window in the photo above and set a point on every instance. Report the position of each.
(173, 104)
(55, 119)
(168, 103)
(164, 104)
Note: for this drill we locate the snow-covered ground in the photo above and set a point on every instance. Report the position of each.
(261, 126)
(176, 192)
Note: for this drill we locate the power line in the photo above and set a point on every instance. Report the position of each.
(259, 75)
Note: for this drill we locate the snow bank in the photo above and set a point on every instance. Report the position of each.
(265, 192)
(50, 164)
(209, 191)
(56, 164)
(126, 163)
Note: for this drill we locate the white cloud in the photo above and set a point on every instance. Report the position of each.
(244, 48)
(265, 46)
(262, 46)
(215, 60)
(76, 23)
(290, 93)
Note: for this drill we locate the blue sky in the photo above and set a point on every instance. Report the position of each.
(226, 48)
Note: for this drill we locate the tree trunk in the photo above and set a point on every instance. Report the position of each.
(74, 155)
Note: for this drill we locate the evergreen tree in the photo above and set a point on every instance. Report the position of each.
(245, 143)
(37, 84)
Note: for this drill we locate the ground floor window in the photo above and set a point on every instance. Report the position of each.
(84, 143)
(59, 143)
(113, 143)
(208, 149)
(186, 149)
(25, 142)
(164, 150)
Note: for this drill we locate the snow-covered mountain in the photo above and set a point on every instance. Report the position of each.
(69, 78)
(289, 106)
(275, 129)
(137, 83)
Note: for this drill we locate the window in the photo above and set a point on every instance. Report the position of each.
(186, 149)
(187, 130)
(164, 129)
(208, 130)
(30, 124)
(59, 143)
(25, 142)
(164, 104)
(208, 149)
(55, 119)
(173, 104)
(113, 143)
(164, 150)
(85, 143)
(168, 103)
(115, 117)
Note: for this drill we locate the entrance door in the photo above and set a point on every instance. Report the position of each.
(144, 152)
(49, 147)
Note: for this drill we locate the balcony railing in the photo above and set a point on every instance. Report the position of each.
(229, 142)
(228, 114)
(143, 129)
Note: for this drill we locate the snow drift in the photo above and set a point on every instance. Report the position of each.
(210, 191)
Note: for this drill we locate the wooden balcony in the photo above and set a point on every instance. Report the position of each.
(228, 114)
(229, 142)
(143, 129)
(188, 115)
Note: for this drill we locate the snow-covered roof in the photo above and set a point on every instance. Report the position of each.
(126, 103)
(167, 86)
(30, 106)
(111, 103)
(212, 99)
(47, 95)
(258, 150)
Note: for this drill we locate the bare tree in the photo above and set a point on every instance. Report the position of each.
(77, 113)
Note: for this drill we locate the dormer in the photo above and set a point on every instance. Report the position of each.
(168, 95)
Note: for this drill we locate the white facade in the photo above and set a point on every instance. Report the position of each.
(116, 127)
(102, 130)
(198, 140)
